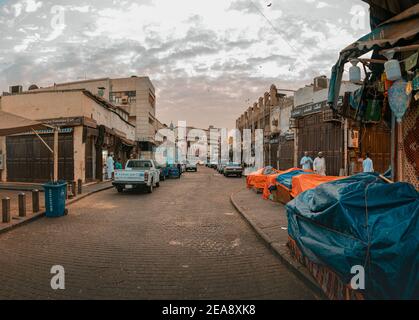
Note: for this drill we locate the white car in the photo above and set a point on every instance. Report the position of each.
(137, 174)
(191, 166)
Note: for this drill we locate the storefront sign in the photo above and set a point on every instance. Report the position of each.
(46, 131)
(306, 110)
(64, 122)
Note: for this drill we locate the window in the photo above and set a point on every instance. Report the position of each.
(151, 99)
(123, 97)
(139, 164)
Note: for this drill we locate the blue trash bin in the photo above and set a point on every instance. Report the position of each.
(55, 196)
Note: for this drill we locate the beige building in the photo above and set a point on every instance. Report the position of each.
(90, 129)
(271, 113)
(211, 139)
(135, 95)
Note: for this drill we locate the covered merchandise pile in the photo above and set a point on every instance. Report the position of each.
(258, 179)
(358, 221)
(305, 182)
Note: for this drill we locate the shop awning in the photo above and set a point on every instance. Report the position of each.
(128, 142)
(393, 7)
(404, 26)
(12, 124)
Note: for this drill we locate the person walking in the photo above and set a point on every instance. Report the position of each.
(367, 164)
(110, 166)
(319, 165)
(118, 164)
(306, 161)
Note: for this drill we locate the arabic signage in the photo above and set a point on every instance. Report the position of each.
(309, 109)
(64, 122)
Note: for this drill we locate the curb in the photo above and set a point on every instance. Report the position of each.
(34, 217)
(39, 215)
(74, 200)
(280, 250)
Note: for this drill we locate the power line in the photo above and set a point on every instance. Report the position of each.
(277, 31)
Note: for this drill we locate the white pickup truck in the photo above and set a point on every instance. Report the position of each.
(137, 174)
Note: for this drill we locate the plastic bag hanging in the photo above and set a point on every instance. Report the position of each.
(399, 99)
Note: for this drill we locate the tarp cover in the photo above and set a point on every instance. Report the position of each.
(306, 182)
(285, 179)
(258, 179)
(329, 226)
(271, 181)
(403, 27)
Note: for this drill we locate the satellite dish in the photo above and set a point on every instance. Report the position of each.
(33, 87)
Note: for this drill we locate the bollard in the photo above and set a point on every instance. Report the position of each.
(35, 201)
(68, 194)
(74, 188)
(22, 205)
(5, 203)
(79, 186)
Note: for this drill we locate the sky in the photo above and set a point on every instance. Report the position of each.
(208, 59)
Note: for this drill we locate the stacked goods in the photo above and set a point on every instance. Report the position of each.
(284, 183)
(271, 183)
(358, 221)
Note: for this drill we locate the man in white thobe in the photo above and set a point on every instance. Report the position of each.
(319, 165)
(367, 164)
(110, 166)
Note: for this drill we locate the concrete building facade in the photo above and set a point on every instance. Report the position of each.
(90, 129)
(135, 95)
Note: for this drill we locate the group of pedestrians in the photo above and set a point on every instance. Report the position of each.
(319, 163)
(112, 165)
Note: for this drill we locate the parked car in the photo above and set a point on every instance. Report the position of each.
(220, 168)
(233, 169)
(164, 172)
(137, 174)
(174, 172)
(191, 166)
(183, 166)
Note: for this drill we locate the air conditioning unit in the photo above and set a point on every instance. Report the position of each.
(321, 83)
(125, 100)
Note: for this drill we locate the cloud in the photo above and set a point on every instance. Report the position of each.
(207, 59)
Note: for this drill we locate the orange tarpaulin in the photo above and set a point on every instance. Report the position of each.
(258, 179)
(250, 177)
(306, 182)
(271, 181)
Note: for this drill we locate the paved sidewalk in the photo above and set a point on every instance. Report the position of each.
(31, 216)
(269, 220)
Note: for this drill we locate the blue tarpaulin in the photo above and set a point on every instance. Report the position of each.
(362, 220)
(286, 178)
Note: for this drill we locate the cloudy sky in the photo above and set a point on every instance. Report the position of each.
(208, 59)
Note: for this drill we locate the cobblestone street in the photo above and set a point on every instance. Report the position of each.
(184, 241)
